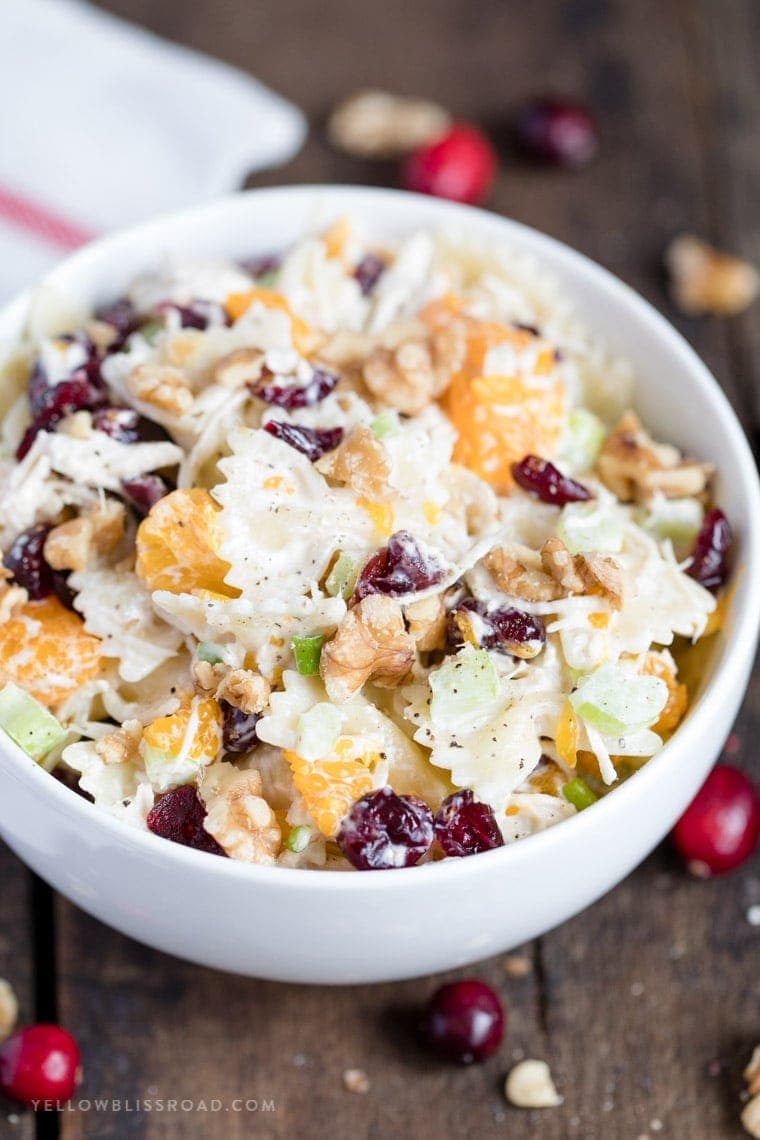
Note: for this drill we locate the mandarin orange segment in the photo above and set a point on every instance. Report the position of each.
(45, 650)
(329, 787)
(238, 303)
(566, 736)
(194, 732)
(177, 543)
(678, 695)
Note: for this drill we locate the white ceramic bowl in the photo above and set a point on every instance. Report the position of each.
(312, 926)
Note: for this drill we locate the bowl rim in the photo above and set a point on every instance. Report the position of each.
(735, 658)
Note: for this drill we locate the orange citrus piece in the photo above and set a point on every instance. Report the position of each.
(329, 787)
(194, 732)
(44, 649)
(177, 543)
(238, 303)
(678, 695)
(566, 736)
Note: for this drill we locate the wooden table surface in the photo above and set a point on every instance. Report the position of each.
(646, 1006)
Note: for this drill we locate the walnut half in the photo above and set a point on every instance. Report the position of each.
(410, 375)
(706, 280)
(635, 467)
(74, 544)
(241, 820)
(371, 643)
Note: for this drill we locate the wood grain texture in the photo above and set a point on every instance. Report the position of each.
(17, 961)
(646, 1006)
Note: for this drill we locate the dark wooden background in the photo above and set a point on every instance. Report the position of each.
(646, 1006)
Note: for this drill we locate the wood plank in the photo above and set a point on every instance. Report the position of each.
(17, 967)
(624, 1057)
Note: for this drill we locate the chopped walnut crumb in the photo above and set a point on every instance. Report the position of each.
(8, 1009)
(517, 571)
(120, 746)
(208, 677)
(102, 333)
(517, 966)
(634, 467)
(530, 1085)
(241, 820)
(11, 597)
(73, 545)
(751, 1116)
(583, 573)
(706, 280)
(752, 1072)
(356, 1081)
(161, 386)
(426, 620)
(409, 375)
(244, 690)
(360, 462)
(243, 366)
(371, 643)
(376, 124)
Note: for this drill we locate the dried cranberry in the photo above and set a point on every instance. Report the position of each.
(708, 559)
(463, 826)
(720, 828)
(383, 831)
(121, 424)
(311, 442)
(178, 815)
(557, 131)
(124, 318)
(144, 491)
(460, 165)
(199, 314)
(50, 403)
(547, 482)
(238, 729)
(263, 264)
(401, 567)
(63, 590)
(39, 1063)
(292, 396)
(464, 1021)
(368, 272)
(26, 561)
(503, 629)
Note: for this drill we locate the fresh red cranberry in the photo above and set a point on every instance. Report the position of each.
(199, 314)
(547, 482)
(463, 826)
(465, 1021)
(709, 564)
(720, 827)
(144, 491)
(401, 567)
(238, 729)
(26, 561)
(178, 815)
(311, 442)
(368, 272)
(459, 165)
(39, 1063)
(292, 396)
(557, 131)
(384, 831)
(503, 629)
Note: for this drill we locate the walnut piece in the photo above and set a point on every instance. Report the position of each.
(360, 462)
(356, 1081)
(634, 467)
(583, 573)
(371, 643)
(238, 368)
(752, 1072)
(8, 1009)
(751, 1116)
(376, 124)
(245, 690)
(706, 280)
(161, 386)
(241, 820)
(73, 545)
(120, 746)
(530, 1085)
(426, 620)
(11, 597)
(518, 572)
(410, 374)
(517, 966)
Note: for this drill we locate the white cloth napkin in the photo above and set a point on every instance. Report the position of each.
(104, 124)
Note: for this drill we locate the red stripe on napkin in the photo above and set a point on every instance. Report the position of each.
(38, 220)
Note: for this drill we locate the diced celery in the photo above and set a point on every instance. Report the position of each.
(28, 723)
(591, 526)
(676, 519)
(386, 423)
(150, 331)
(207, 651)
(463, 687)
(166, 771)
(618, 703)
(306, 651)
(298, 838)
(583, 440)
(267, 280)
(318, 731)
(579, 794)
(342, 578)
